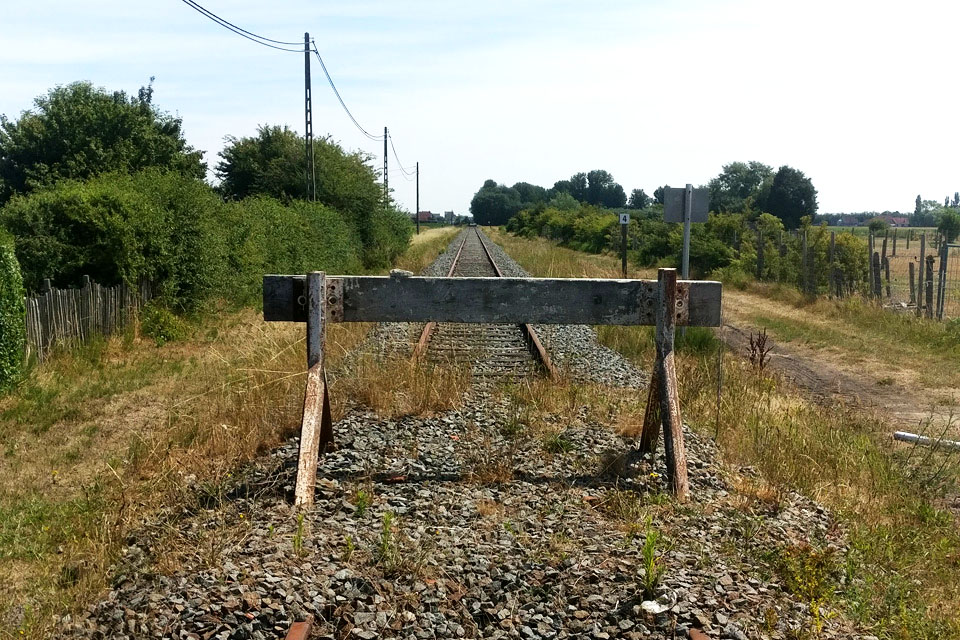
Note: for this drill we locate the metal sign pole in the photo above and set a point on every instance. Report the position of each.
(687, 219)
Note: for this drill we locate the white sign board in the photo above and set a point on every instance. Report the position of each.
(624, 218)
(673, 204)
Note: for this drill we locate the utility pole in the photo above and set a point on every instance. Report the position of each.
(418, 198)
(687, 219)
(310, 172)
(386, 178)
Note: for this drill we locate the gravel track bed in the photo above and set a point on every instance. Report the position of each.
(463, 525)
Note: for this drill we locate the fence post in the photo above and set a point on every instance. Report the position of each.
(870, 244)
(913, 291)
(894, 254)
(833, 264)
(669, 399)
(804, 270)
(920, 276)
(883, 251)
(886, 274)
(909, 234)
(942, 288)
(877, 291)
(929, 284)
(760, 253)
(314, 428)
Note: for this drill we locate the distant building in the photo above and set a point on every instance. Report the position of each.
(424, 216)
(895, 221)
(448, 217)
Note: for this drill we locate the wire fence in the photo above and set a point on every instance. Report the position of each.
(68, 317)
(901, 269)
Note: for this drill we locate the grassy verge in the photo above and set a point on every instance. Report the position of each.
(97, 440)
(898, 579)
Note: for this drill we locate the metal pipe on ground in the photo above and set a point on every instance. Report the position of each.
(913, 438)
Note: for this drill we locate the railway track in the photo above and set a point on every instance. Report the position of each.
(494, 350)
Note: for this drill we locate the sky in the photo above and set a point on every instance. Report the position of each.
(860, 96)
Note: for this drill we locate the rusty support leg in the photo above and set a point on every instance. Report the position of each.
(316, 430)
(651, 417)
(669, 399)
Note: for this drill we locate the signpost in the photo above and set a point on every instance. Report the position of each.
(624, 223)
(686, 205)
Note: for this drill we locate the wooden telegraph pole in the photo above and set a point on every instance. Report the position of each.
(418, 198)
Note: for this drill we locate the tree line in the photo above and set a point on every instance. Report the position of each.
(94, 182)
(102, 183)
(741, 187)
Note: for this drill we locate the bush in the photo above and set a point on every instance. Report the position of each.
(160, 324)
(12, 314)
(159, 226)
(264, 236)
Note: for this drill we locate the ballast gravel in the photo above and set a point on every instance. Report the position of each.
(468, 525)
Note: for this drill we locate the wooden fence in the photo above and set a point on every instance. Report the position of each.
(67, 317)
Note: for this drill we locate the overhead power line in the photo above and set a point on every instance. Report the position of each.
(342, 103)
(282, 45)
(249, 35)
(405, 171)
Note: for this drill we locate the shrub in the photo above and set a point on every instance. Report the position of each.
(12, 326)
(264, 236)
(156, 225)
(160, 324)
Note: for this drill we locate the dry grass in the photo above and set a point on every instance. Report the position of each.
(905, 549)
(425, 247)
(398, 386)
(99, 440)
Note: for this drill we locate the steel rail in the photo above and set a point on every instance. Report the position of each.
(530, 334)
(528, 331)
(428, 329)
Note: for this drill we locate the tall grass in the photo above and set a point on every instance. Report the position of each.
(900, 573)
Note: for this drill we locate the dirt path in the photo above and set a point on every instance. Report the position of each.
(854, 373)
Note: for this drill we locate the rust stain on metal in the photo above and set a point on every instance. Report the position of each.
(300, 630)
(334, 302)
(683, 302)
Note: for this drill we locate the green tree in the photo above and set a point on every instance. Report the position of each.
(638, 199)
(791, 196)
(79, 131)
(603, 191)
(949, 225)
(878, 226)
(495, 204)
(659, 192)
(273, 163)
(530, 194)
(12, 327)
(737, 185)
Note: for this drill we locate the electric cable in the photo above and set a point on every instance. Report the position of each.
(342, 103)
(249, 35)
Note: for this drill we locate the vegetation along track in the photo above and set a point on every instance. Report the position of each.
(495, 350)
